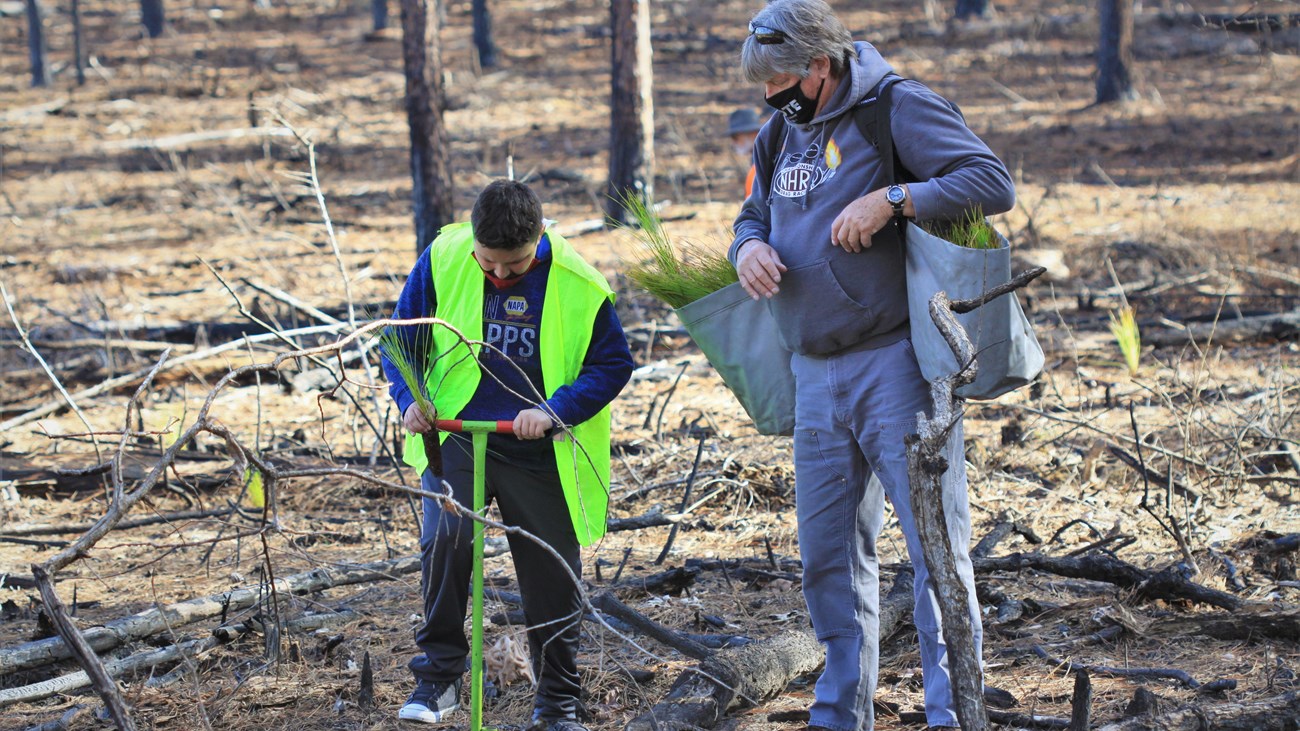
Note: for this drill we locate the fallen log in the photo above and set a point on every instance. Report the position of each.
(1130, 672)
(1274, 714)
(58, 405)
(154, 620)
(609, 604)
(152, 658)
(1235, 627)
(1167, 584)
(651, 519)
(1259, 327)
(61, 528)
(755, 672)
(745, 675)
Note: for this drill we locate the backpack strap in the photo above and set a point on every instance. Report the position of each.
(872, 118)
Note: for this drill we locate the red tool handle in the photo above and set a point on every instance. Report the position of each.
(463, 426)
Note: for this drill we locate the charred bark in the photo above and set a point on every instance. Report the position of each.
(431, 190)
(740, 676)
(631, 126)
(1115, 52)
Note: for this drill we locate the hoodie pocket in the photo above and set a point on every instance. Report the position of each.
(813, 313)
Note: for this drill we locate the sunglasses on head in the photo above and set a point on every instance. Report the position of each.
(766, 36)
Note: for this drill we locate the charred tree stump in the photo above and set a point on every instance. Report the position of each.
(926, 464)
(967, 9)
(1081, 702)
(740, 676)
(78, 44)
(379, 14)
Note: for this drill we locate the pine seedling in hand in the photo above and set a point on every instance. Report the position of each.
(406, 347)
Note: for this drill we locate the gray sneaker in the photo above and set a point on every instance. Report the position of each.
(431, 702)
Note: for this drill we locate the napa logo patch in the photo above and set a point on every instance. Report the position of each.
(516, 306)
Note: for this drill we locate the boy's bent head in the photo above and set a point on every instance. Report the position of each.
(507, 215)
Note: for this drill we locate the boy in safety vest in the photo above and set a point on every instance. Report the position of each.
(553, 357)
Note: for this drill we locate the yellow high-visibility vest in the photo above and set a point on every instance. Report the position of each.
(575, 291)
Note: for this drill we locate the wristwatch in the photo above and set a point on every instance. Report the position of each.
(897, 196)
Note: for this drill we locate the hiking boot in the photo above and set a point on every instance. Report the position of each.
(431, 702)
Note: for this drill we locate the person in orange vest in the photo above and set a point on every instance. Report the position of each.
(742, 127)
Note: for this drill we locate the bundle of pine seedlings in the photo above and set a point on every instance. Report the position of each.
(971, 231)
(678, 273)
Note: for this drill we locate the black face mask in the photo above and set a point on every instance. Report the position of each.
(797, 107)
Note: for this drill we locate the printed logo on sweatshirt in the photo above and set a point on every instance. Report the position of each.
(507, 328)
(801, 172)
(516, 306)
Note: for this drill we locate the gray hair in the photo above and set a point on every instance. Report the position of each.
(811, 30)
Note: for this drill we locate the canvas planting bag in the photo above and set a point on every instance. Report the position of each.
(738, 336)
(1006, 350)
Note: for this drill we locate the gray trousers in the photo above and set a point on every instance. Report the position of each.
(534, 501)
(852, 412)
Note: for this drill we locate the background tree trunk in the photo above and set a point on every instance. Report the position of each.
(78, 47)
(36, 43)
(487, 49)
(153, 17)
(967, 9)
(1115, 52)
(631, 128)
(379, 13)
(431, 190)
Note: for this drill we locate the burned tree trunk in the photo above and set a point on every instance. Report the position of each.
(1115, 52)
(487, 48)
(431, 190)
(153, 16)
(967, 9)
(379, 14)
(631, 126)
(36, 47)
(78, 47)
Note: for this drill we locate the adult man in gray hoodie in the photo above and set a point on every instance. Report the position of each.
(818, 239)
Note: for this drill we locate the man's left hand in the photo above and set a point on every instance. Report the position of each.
(532, 424)
(860, 219)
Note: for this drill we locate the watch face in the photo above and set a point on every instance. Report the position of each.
(895, 194)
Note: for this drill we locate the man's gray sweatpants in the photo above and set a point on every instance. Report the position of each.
(852, 412)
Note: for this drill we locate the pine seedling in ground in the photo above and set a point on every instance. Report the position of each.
(676, 273)
(1125, 330)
